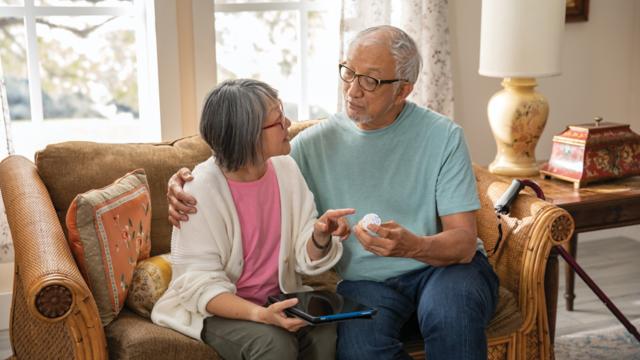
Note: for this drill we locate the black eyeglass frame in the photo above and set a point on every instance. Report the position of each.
(359, 76)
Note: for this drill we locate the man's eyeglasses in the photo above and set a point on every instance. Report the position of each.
(366, 82)
(280, 123)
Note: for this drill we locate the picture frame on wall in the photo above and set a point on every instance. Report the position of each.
(577, 10)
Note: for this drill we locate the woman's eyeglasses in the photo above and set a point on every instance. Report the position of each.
(280, 123)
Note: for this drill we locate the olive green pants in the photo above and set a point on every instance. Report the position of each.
(240, 339)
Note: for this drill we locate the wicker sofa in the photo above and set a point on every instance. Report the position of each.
(54, 314)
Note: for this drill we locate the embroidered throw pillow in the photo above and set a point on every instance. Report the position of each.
(150, 280)
(108, 234)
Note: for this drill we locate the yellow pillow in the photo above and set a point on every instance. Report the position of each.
(151, 278)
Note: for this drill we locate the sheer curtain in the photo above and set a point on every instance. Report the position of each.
(6, 245)
(426, 21)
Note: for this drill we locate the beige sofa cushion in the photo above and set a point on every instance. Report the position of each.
(133, 337)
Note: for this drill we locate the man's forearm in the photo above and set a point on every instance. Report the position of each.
(446, 248)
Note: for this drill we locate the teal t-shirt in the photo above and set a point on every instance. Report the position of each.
(412, 172)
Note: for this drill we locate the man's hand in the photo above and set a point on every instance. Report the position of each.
(455, 244)
(180, 202)
(392, 240)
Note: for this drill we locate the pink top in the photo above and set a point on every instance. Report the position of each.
(258, 207)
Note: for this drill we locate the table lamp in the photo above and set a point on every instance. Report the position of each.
(520, 40)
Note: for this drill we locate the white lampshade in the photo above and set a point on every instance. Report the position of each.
(521, 38)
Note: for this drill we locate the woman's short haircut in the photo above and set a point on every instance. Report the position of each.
(402, 47)
(232, 119)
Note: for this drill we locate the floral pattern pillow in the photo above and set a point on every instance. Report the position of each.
(108, 234)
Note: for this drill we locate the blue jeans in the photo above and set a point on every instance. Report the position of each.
(451, 306)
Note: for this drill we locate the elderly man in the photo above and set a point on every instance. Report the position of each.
(424, 265)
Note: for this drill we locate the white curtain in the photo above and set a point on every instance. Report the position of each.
(424, 20)
(6, 245)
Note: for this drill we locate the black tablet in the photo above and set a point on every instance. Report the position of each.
(321, 306)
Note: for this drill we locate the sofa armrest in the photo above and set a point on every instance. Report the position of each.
(551, 226)
(531, 229)
(51, 299)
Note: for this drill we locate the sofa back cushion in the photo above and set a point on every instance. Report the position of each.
(74, 167)
(71, 168)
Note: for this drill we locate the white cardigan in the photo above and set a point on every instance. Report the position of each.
(206, 252)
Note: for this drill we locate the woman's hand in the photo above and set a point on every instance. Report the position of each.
(180, 202)
(332, 222)
(274, 315)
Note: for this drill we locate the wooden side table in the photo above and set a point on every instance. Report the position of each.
(596, 206)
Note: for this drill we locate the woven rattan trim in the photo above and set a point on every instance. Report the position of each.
(497, 352)
(533, 346)
(35, 229)
(35, 339)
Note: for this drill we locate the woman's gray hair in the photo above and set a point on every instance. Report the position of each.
(232, 119)
(402, 47)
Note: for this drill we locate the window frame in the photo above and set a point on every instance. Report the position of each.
(140, 11)
(303, 7)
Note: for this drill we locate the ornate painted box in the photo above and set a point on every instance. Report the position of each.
(592, 152)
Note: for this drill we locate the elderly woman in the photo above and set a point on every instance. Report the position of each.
(254, 233)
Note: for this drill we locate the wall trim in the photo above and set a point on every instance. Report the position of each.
(6, 287)
(5, 310)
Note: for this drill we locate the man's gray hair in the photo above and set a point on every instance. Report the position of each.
(402, 47)
(232, 120)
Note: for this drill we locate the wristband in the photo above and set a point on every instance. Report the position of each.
(321, 247)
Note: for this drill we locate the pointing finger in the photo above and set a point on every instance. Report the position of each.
(338, 213)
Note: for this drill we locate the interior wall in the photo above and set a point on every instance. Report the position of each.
(600, 74)
(600, 77)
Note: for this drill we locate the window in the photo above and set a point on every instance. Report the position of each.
(75, 70)
(291, 45)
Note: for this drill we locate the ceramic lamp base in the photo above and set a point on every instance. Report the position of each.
(517, 115)
(511, 169)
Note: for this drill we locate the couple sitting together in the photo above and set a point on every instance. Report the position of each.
(256, 228)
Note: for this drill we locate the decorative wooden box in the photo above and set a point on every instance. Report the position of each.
(592, 152)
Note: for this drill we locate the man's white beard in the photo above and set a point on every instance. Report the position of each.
(362, 120)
